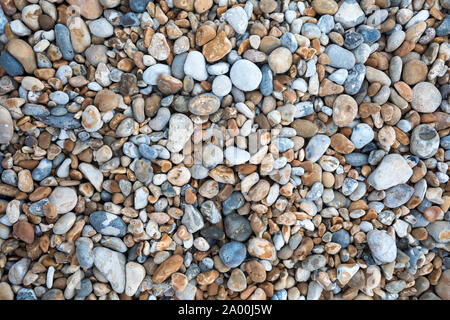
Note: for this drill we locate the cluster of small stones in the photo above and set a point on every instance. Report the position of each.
(323, 168)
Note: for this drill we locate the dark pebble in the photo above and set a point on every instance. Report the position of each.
(237, 227)
(10, 64)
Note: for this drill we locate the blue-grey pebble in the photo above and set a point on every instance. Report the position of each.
(10, 64)
(26, 294)
(311, 31)
(9, 176)
(233, 254)
(148, 152)
(130, 19)
(266, 85)
(289, 41)
(35, 110)
(66, 121)
(237, 227)
(444, 28)
(340, 57)
(177, 67)
(3, 21)
(283, 144)
(326, 23)
(352, 39)
(108, 224)
(138, 5)
(342, 237)
(42, 171)
(36, 207)
(355, 79)
(398, 195)
(62, 36)
(445, 142)
(356, 159)
(234, 202)
(84, 289)
(370, 34)
(85, 256)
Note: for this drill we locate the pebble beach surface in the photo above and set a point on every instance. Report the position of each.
(224, 150)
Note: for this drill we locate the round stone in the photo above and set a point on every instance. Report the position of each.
(362, 134)
(414, 71)
(345, 110)
(342, 237)
(221, 85)
(204, 104)
(424, 141)
(64, 199)
(245, 75)
(280, 60)
(91, 119)
(237, 227)
(426, 97)
(233, 254)
(195, 66)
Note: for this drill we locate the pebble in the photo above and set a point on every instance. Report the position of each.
(64, 199)
(135, 273)
(349, 14)
(245, 75)
(101, 28)
(426, 97)
(180, 131)
(62, 36)
(204, 104)
(111, 264)
(195, 66)
(151, 74)
(317, 146)
(221, 86)
(382, 246)
(237, 227)
(237, 18)
(424, 141)
(340, 57)
(107, 224)
(236, 156)
(392, 170)
(362, 134)
(233, 254)
(6, 126)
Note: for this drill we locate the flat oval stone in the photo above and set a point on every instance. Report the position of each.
(204, 104)
(262, 249)
(90, 9)
(340, 57)
(62, 35)
(398, 195)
